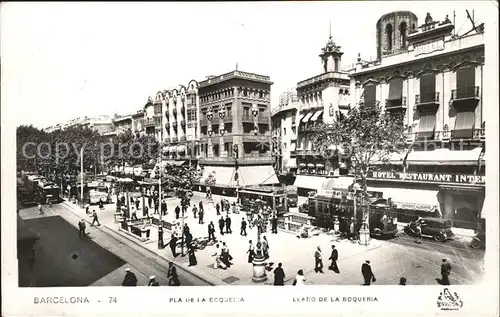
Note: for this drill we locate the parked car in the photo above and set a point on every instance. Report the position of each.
(435, 228)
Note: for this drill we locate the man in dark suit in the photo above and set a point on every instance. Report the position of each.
(173, 245)
(279, 275)
(243, 230)
(228, 225)
(130, 278)
(211, 231)
(366, 270)
(274, 224)
(221, 225)
(445, 272)
(334, 257)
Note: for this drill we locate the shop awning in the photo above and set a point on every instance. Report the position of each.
(392, 158)
(302, 164)
(316, 115)
(341, 183)
(291, 163)
(426, 126)
(310, 165)
(300, 117)
(413, 199)
(395, 89)
(175, 163)
(444, 157)
(257, 175)
(307, 117)
(309, 182)
(224, 175)
(464, 125)
(319, 165)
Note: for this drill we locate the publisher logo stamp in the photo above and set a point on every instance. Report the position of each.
(449, 301)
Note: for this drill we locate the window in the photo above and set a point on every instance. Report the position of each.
(427, 87)
(246, 111)
(464, 125)
(191, 115)
(426, 126)
(370, 93)
(294, 130)
(388, 34)
(284, 131)
(403, 30)
(396, 89)
(228, 111)
(466, 78)
(228, 127)
(204, 130)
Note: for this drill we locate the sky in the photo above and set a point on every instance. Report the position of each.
(65, 60)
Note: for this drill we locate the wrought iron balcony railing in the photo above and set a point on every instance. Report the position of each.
(432, 97)
(466, 93)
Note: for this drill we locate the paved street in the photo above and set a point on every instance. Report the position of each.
(419, 263)
(101, 257)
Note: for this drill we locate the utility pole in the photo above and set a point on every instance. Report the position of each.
(160, 222)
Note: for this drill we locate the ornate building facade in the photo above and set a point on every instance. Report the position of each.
(319, 99)
(284, 133)
(235, 129)
(434, 78)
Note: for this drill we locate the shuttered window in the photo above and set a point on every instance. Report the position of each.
(395, 89)
(466, 80)
(370, 94)
(427, 87)
(464, 125)
(426, 126)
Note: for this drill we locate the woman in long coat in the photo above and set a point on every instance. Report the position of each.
(192, 257)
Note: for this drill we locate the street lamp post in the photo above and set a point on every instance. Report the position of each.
(160, 219)
(259, 261)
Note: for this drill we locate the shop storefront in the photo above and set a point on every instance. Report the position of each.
(454, 196)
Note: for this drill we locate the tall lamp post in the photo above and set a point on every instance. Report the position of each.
(160, 172)
(259, 261)
(364, 231)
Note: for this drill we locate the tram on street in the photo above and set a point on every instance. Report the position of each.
(255, 197)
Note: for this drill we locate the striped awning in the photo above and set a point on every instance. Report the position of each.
(309, 182)
(444, 157)
(307, 117)
(316, 115)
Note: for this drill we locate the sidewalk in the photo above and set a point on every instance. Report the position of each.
(138, 257)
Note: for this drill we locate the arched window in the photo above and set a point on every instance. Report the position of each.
(402, 31)
(388, 33)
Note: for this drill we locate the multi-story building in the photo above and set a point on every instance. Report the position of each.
(138, 122)
(319, 99)
(180, 128)
(235, 129)
(153, 117)
(435, 78)
(284, 134)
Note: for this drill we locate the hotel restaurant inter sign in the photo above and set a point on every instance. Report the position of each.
(441, 178)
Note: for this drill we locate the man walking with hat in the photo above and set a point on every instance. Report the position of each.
(130, 278)
(152, 281)
(366, 271)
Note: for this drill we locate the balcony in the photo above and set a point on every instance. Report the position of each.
(174, 124)
(149, 122)
(444, 136)
(263, 119)
(469, 93)
(300, 152)
(475, 134)
(427, 98)
(250, 137)
(395, 104)
(251, 160)
(204, 122)
(247, 118)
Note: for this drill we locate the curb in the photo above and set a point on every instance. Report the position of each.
(209, 280)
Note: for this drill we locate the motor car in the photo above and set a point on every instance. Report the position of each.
(435, 228)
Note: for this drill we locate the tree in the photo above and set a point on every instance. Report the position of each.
(366, 135)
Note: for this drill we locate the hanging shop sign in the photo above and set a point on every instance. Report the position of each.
(446, 178)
